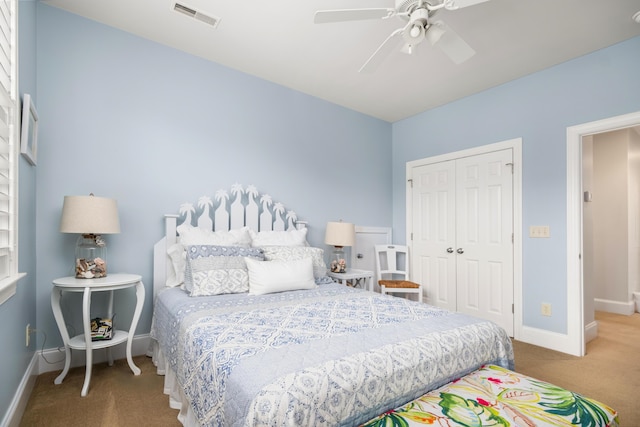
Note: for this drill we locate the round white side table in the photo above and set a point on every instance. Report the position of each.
(111, 282)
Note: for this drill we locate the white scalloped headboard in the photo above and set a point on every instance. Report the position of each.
(226, 210)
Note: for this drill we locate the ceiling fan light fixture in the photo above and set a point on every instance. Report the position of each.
(413, 34)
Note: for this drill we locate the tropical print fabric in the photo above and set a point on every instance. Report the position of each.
(495, 396)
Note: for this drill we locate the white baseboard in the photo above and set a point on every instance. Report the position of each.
(52, 359)
(14, 413)
(590, 331)
(627, 307)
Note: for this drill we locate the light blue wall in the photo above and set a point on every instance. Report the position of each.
(537, 108)
(20, 309)
(153, 127)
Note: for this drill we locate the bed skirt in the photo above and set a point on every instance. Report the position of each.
(177, 399)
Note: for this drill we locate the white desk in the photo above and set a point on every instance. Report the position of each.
(112, 282)
(353, 277)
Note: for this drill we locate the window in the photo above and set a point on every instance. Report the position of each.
(9, 143)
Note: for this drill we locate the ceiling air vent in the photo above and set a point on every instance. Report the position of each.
(195, 14)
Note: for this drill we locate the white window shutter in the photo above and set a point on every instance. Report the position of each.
(9, 147)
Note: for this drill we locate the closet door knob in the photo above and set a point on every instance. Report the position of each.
(460, 251)
(450, 250)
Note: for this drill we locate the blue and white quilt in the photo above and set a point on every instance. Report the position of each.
(329, 356)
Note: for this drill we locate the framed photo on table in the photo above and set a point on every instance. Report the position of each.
(29, 136)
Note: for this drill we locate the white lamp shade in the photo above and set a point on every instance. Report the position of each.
(89, 215)
(340, 234)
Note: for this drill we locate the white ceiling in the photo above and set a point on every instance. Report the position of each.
(278, 41)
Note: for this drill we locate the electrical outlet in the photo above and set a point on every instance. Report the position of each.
(27, 334)
(546, 309)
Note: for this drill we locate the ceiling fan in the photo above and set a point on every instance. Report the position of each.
(420, 26)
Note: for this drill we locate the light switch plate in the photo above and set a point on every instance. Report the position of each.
(539, 231)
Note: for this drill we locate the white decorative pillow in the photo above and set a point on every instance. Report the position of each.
(292, 253)
(267, 277)
(189, 235)
(178, 262)
(279, 238)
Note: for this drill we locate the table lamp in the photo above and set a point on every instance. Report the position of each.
(90, 216)
(339, 235)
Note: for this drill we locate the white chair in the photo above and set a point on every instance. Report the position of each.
(392, 266)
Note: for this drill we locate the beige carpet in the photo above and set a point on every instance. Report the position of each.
(610, 373)
(116, 398)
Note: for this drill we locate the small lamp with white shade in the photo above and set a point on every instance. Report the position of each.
(91, 217)
(339, 234)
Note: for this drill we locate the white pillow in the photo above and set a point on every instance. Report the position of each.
(279, 238)
(292, 253)
(190, 235)
(178, 258)
(266, 277)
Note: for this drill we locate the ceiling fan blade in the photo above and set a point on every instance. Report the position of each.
(459, 4)
(325, 16)
(443, 37)
(381, 53)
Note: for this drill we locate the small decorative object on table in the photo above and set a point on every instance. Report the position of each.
(339, 235)
(91, 251)
(338, 263)
(101, 329)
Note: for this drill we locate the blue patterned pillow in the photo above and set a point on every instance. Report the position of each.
(215, 270)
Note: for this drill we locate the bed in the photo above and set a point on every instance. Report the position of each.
(248, 329)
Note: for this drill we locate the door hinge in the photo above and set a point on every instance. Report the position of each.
(410, 182)
(510, 164)
(513, 310)
(511, 237)
(412, 236)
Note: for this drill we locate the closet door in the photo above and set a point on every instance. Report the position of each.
(433, 260)
(484, 229)
(462, 222)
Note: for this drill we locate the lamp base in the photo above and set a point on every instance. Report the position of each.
(338, 263)
(91, 257)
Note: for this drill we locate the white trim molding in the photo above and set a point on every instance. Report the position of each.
(14, 413)
(575, 338)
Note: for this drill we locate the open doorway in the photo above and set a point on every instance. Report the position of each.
(578, 313)
(610, 217)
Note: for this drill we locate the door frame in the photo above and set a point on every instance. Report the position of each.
(515, 145)
(575, 286)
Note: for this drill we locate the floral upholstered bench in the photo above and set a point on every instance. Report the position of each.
(495, 396)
